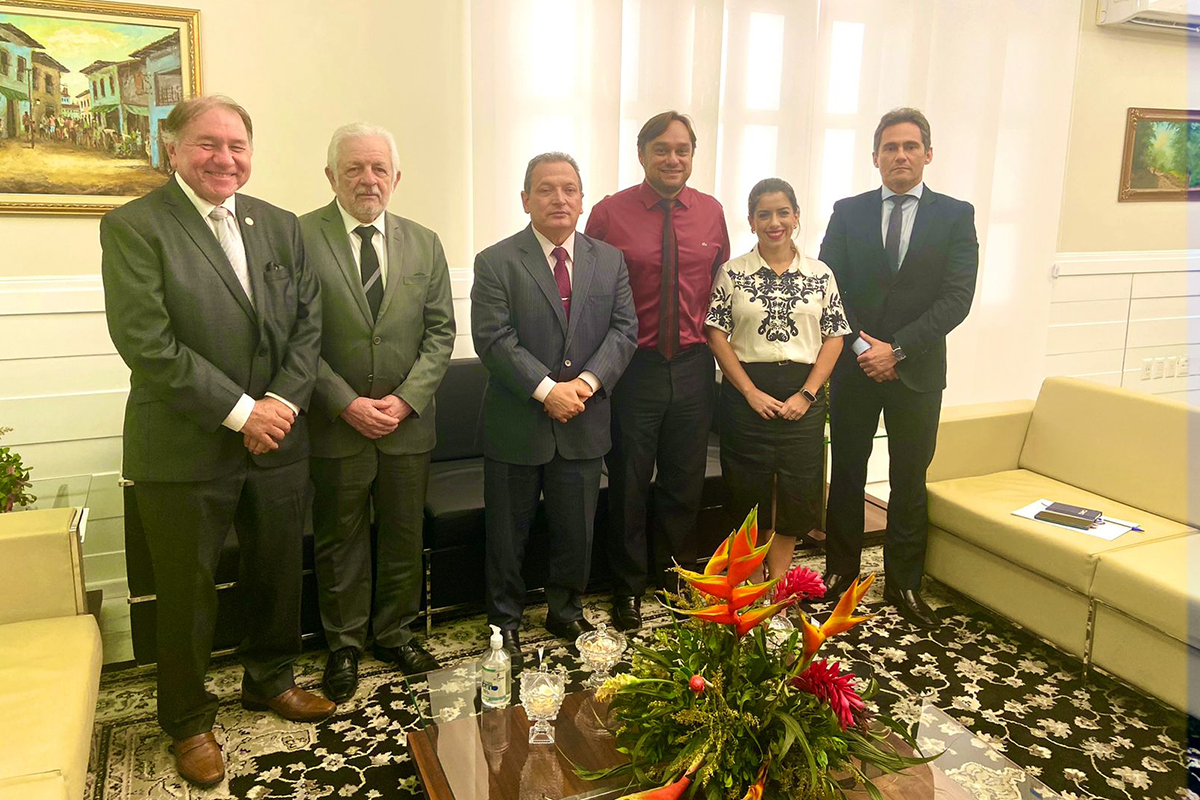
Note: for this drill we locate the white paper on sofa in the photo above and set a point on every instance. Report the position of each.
(1110, 529)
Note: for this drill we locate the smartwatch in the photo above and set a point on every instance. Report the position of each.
(898, 352)
(809, 396)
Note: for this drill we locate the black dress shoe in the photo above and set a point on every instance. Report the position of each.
(410, 657)
(341, 674)
(512, 643)
(627, 613)
(836, 585)
(912, 607)
(569, 629)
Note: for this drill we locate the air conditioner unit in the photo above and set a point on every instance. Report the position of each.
(1170, 16)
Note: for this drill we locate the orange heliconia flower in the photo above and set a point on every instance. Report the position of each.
(737, 557)
(755, 792)
(840, 620)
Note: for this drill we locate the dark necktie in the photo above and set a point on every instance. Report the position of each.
(668, 297)
(372, 274)
(895, 221)
(562, 278)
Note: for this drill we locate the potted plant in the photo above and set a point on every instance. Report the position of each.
(14, 479)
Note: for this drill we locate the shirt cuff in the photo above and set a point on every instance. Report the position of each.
(591, 380)
(295, 408)
(543, 389)
(860, 346)
(240, 413)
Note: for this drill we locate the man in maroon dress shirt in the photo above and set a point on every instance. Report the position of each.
(673, 238)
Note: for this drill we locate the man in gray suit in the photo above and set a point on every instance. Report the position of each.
(212, 307)
(387, 339)
(553, 321)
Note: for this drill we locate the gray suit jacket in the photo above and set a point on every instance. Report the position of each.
(194, 344)
(405, 352)
(522, 335)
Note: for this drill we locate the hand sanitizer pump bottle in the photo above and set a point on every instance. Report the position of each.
(495, 672)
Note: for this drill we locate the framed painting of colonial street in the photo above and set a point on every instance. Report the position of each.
(84, 89)
(1162, 155)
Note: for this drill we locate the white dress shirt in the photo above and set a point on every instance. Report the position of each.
(240, 412)
(378, 241)
(548, 383)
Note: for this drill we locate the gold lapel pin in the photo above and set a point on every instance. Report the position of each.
(249, 221)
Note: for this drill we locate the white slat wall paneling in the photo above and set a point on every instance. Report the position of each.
(1152, 299)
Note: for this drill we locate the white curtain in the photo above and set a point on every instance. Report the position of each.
(794, 89)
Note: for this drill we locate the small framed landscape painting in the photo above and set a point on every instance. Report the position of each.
(1162, 155)
(84, 89)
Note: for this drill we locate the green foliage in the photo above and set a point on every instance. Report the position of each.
(748, 714)
(14, 479)
(1166, 154)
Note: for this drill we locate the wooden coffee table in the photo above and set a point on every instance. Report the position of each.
(486, 756)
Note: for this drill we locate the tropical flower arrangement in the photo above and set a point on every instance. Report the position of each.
(720, 703)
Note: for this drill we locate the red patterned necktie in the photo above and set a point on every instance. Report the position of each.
(668, 298)
(562, 278)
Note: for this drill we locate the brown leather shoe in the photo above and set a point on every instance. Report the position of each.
(294, 704)
(198, 759)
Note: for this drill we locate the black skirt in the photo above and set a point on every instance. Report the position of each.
(761, 455)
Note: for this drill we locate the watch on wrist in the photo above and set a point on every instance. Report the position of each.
(809, 396)
(898, 352)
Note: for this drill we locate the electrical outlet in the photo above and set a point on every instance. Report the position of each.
(1169, 366)
(1181, 369)
(1147, 364)
(1156, 371)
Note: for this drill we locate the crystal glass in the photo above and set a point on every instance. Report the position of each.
(600, 650)
(542, 693)
(779, 628)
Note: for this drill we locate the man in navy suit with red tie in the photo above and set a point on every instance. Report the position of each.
(553, 321)
(905, 258)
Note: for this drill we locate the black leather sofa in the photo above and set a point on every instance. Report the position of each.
(454, 530)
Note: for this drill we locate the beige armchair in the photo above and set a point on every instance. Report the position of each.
(50, 658)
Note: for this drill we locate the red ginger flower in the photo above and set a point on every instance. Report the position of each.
(823, 679)
(801, 583)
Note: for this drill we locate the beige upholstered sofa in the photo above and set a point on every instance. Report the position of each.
(1121, 605)
(50, 657)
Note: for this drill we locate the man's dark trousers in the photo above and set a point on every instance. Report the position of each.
(186, 526)
(911, 419)
(662, 412)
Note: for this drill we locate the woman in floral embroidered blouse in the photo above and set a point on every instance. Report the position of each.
(775, 325)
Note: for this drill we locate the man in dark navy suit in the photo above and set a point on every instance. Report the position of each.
(553, 321)
(905, 258)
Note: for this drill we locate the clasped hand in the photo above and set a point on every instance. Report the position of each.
(566, 400)
(879, 362)
(269, 421)
(376, 418)
(768, 407)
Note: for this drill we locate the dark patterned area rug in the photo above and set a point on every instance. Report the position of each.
(1094, 738)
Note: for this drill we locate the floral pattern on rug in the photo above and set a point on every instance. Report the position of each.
(1088, 740)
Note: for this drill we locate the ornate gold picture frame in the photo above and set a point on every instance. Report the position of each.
(84, 88)
(1162, 155)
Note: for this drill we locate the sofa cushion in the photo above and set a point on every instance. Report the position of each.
(979, 510)
(1129, 446)
(49, 678)
(459, 399)
(1151, 583)
(43, 786)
